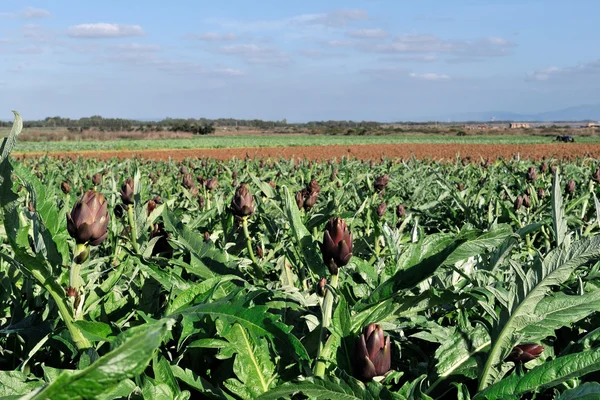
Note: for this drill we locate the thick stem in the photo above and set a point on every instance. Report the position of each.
(257, 269)
(130, 216)
(327, 311)
(67, 316)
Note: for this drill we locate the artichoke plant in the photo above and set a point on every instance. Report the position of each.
(372, 353)
(242, 204)
(336, 248)
(525, 352)
(88, 220)
(126, 192)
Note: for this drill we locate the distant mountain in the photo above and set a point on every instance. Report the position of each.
(577, 113)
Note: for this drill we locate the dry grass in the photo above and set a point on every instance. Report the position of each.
(34, 135)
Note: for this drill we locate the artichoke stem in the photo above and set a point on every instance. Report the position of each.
(133, 227)
(327, 311)
(257, 269)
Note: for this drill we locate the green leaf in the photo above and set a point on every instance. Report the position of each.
(549, 374)
(126, 361)
(96, 331)
(332, 389)
(456, 355)
(587, 391)
(304, 240)
(485, 242)
(188, 296)
(554, 270)
(14, 383)
(252, 366)
(9, 142)
(559, 223)
(256, 319)
(560, 310)
(197, 382)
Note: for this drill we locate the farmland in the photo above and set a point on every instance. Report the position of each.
(274, 277)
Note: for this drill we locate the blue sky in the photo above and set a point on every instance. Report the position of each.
(384, 60)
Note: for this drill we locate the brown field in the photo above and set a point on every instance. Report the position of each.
(363, 152)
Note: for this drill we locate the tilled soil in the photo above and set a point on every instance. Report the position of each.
(363, 152)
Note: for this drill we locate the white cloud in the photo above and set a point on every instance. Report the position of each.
(333, 19)
(368, 34)
(104, 30)
(429, 76)
(431, 45)
(31, 12)
(212, 37)
(586, 69)
(137, 47)
(255, 54)
(30, 50)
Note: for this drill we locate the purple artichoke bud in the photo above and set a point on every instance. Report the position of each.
(127, 191)
(541, 193)
(194, 191)
(300, 199)
(234, 175)
(381, 182)
(526, 201)
(313, 187)
(311, 200)
(183, 170)
(259, 251)
(372, 353)
(201, 202)
(150, 207)
(206, 237)
(187, 181)
(571, 186)
(336, 248)
(531, 174)
(544, 167)
(321, 290)
(211, 184)
(242, 204)
(381, 209)
(88, 219)
(460, 187)
(518, 202)
(525, 352)
(97, 179)
(65, 187)
(400, 211)
(596, 175)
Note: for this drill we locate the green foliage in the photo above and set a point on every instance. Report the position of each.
(174, 303)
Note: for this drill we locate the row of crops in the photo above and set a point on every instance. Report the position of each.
(269, 279)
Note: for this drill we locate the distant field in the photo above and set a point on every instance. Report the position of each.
(281, 141)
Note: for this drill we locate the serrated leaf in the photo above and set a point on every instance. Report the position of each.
(559, 223)
(560, 310)
(256, 319)
(549, 374)
(252, 366)
(126, 361)
(554, 270)
(304, 240)
(587, 391)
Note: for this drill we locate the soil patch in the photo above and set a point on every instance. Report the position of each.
(363, 152)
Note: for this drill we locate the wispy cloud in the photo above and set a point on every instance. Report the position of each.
(137, 47)
(551, 73)
(212, 36)
(104, 30)
(27, 13)
(256, 54)
(368, 34)
(31, 13)
(333, 19)
(429, 76)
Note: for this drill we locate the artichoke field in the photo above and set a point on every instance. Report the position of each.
(275, 278)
